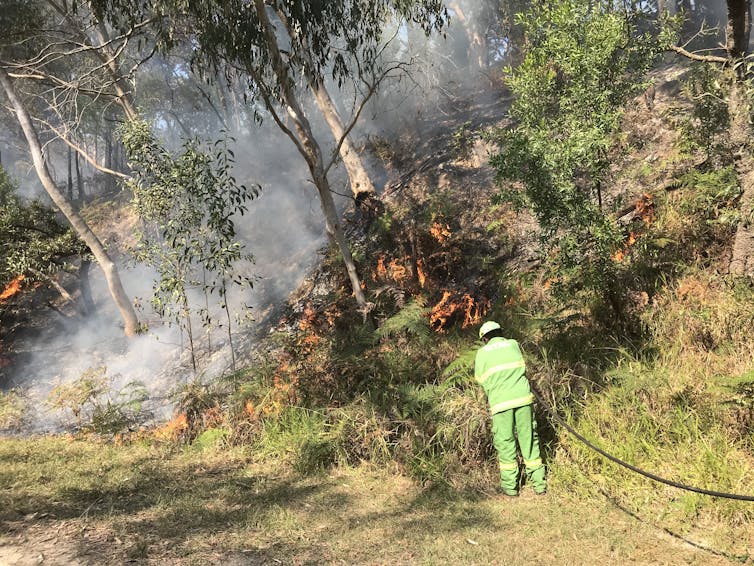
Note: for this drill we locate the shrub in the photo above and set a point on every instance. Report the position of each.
(13, 408)
(96, 406)
(584, 61)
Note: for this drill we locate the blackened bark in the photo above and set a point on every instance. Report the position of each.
(739, 27)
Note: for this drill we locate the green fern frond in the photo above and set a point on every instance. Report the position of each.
(413, 319)
(460, 370)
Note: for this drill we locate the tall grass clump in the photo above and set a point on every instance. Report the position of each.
(701, 325)
(299, 437)
(661, 415)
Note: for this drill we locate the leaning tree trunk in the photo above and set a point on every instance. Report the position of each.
(77, 222)
(361, 184)
(310, 150)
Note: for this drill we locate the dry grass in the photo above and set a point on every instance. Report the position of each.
(77, 502)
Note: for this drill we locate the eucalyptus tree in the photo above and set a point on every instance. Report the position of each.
(244, 38)
(52, 68)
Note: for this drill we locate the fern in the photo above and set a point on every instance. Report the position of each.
(413, 319)
(460, 370)
(397, 294)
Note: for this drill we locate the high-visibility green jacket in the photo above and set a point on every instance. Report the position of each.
(500, 369)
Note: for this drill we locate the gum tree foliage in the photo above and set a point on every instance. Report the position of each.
(33, 240)
(339, 38)
(241, 38)
(187, 202)
(583, 61)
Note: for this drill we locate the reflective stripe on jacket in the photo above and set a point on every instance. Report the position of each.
(500, 369)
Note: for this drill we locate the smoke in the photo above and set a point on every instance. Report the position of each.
(284, 230)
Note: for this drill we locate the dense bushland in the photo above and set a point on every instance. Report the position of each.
(631, 326)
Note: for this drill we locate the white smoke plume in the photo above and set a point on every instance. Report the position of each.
(284, 230)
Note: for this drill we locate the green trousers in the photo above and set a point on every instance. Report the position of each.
(506, 426)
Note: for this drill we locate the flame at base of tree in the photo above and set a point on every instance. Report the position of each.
(12, 288)
(396, 270)
(454, 305)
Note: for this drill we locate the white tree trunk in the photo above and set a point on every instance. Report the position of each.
(77, 222)
(742, 260)
(361, 184)
(310, 150)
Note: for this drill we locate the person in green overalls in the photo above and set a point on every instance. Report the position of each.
(500, 369)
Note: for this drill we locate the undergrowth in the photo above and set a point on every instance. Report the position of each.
(661, 377)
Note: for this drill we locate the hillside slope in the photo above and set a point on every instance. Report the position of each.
(360, 436)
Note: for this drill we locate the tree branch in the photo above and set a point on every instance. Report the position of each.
(702, 58)
(78, 149)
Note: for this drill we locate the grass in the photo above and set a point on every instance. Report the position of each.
(152, 505)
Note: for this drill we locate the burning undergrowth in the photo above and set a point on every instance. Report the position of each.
(369, 380)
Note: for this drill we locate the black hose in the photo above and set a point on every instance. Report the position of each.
(633, 468)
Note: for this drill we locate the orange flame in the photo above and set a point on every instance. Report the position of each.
(473, 310)
(397, 271)
(309, 316)
(621, 254)
(420, 273)
(173, 429)
(332, 314)
(311, 340)
(308, 325)
(381, 272)
(249, 409)
(441, 312)
(645, 208)
(440, 232)
(12, 288)
(448, 306)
